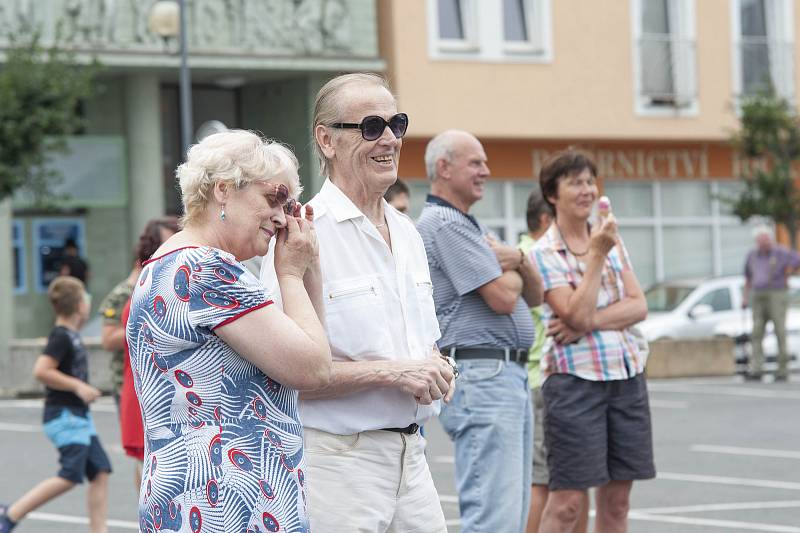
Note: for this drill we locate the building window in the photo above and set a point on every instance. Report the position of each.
(687, 231)
(763, 47)
(18, 244)
(451, 20)
(456, 24)
(515, 20)
(521, 31)
(665, 57)
(49, 236)
(490, 30)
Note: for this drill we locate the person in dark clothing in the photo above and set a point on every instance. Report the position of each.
(72, 264)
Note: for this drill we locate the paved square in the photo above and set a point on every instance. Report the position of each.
(728, 457)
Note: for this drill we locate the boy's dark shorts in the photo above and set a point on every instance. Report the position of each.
(597, 431)
(80, 453)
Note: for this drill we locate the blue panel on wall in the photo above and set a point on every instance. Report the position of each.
(49, 235)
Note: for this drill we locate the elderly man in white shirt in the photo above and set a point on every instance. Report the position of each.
(366, 464)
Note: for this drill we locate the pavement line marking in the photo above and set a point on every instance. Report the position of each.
(23, 428)
(447, 459)
(726, 524)
(736, 450)
(447, 498)
(22, 404)
(99, 406)
(788, 504)
(721, 480)
(69, 519)
(729, 391)
(453, 522)
(667, 404)
(721, 380)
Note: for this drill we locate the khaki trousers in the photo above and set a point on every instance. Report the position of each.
(769, 305)
(370, 482)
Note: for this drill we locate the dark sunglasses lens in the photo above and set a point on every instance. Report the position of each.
(281, 193)
(372, 127)
(399, 124)
(288, 207)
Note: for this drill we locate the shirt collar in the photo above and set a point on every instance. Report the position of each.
(554, 239)
(436, 200)
(341, 207)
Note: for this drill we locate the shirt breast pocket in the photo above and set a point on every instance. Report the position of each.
(429, 324)
(356, 318)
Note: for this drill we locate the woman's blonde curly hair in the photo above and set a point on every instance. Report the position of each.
(236, 157)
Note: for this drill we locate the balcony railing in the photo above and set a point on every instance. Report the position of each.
(667, 71)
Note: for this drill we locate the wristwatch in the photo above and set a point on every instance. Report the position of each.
(453, 365)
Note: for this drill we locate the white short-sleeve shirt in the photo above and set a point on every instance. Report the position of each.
(378, 305)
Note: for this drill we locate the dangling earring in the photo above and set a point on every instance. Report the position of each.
(222, 213)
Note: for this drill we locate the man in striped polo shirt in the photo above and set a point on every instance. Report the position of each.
(482, 290)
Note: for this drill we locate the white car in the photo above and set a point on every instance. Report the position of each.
(705, 308)
(692, 308)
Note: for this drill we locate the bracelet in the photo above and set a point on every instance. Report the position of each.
(453, 365)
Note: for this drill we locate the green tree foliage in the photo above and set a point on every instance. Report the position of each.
(769, 140)
(40, 91)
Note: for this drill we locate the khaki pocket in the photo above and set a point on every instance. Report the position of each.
(318, 442)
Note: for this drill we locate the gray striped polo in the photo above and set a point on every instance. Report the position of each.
(460, 262)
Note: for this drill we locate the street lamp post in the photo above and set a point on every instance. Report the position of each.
(168, 20)
(186, 85)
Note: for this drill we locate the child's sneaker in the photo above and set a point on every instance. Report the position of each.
(6, 525)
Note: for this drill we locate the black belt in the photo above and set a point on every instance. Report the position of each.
(507, 354)
(408, 430)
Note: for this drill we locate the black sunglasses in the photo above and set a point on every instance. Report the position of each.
(372, 127)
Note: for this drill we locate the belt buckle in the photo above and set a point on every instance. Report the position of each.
(413, 428)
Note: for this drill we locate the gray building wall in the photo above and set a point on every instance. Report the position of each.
(283, 110)
(282, 57)
(109, 253)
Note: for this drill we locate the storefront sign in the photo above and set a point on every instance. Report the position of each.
(642, 163)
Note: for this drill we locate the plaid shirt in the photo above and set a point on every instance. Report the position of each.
(600, 355)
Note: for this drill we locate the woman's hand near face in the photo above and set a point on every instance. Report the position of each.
(309, 217)
(296, 248)
(312, 280)
(604, 237)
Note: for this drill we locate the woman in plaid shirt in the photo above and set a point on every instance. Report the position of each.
(597, 415)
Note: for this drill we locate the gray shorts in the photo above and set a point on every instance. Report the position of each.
(541, 475)
(597, 431)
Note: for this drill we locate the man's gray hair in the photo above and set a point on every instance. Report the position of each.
(762, 229)
(327, 106)
(440, 147)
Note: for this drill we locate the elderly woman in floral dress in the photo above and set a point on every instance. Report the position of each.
(216, 366)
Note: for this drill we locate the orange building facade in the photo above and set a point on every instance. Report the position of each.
(649, 87)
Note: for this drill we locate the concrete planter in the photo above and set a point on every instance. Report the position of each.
(691, 358)
(16, 370)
